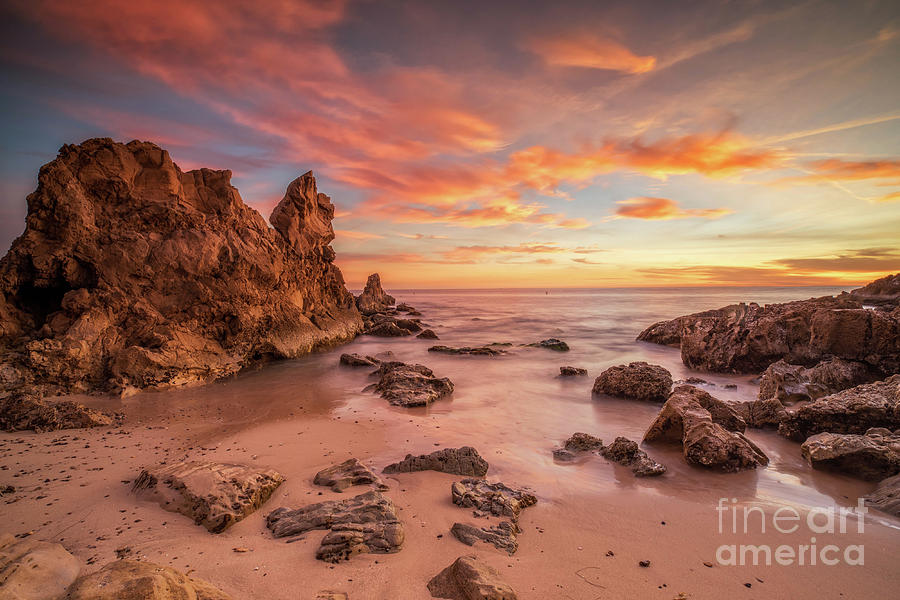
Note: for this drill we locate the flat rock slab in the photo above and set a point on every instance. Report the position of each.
(410, 385)
(367, 523)
(626, 453)
(458, 461)
(873, 456)
(470, 579)
(33, 570)
(503, 536)
(886, 497)
(469, 350)
(27, 411)
(491, 498)
(637, 380)
(214, 495)
(133, 580)
(347, 474)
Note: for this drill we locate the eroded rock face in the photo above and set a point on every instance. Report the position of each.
(747, 338)
(503, 536)
(133, 580)
(886, 497)
(458, 461)
(873, 456)
(410, 385)
(851, 411)
(470, 579)
(638, 380)
(214, 495)
(367, 523)
(627, 453)
(20, 411)
(491, 498)
(33, 570)
(133, 274)
(347, 474)
(794, 383)
(761, 413)
(373, 298)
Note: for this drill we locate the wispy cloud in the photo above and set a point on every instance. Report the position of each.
(663, 209)
(589, 51)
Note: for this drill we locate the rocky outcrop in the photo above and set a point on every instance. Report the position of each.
(571, 371)
(873, 456)
(134, 274)
(373, 298)
(410, 385)
(886, 497)
(458, 461)
(551, 344)
(708, 430)
(428, 334)
(367, 523)
(477, 351)
(747, 338)
(20, 411)
(357, 360)
(33, 570)
(851, 411)
(503, 536)
(347, 474)
(626, 453)
(578, 443)
(470, 579)
(133, 580)
(793, 383)
(214, 495)
(638, 380)
(881, 292)
(491, 498)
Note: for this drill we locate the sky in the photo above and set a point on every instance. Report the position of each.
(498, 144)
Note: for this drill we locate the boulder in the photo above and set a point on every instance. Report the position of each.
(571, 371)
(886, 497)
(387, 329)
(347, 474)
(470, 579)
(851, 411)
(578, 443)
(458, 461)
(552, 344)
(793, 383)
(478, 351)
(132, 273)
(33, 570)
(373, 298)
(428, 334)
(761, 413)
(503, 536)
(20, 411)
(214, 495)
(873, 456)
(626, 453)
(133, 580)
(638, 380)
(357, 360)
(367, 523)
(410, 385)
(491, 498)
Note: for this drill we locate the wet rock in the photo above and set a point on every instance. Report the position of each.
(708, 430)
(20, 411)
(761, 413)
(492, 498)
(33, 570)
(404, 307)
(134, 274)
(356, 360)
(851, 411)
(747, 338)
(873, 456)
(133, 580)
(470, 579)
(571, 371)
(638, 380)
(428, 334)
(387, 329)
(458, 461)
(552, 344)
(503, 536)
(410, 385)
(347, 474)
(367, 523)
(793, 383)
(886, 497)
(479, 351)
(626, 453)
(214, 495)
(373, 298)
(583, 442)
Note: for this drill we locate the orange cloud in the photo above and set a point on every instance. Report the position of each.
(892, 197)
(866, 260)
(589, 52)
(856, 170)
(357, 235)
(663, 209)
(471, 254)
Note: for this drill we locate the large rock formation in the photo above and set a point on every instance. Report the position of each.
(133, 580)
(873, 456)
(34, 570)
(747, 338)
(373, 298)
(132, 274)
(793, 383)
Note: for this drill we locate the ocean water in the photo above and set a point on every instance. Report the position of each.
(515, 408)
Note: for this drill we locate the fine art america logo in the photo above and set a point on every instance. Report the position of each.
(753, 520)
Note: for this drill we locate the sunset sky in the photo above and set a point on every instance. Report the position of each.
(499, 144)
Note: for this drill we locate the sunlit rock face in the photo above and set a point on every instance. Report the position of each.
(133, 274)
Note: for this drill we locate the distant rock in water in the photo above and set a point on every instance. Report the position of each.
(552, 344)
(571, 371)
(134, 274)
(458, 461)
(627, 453)
(747, 338)
(638, 380)
(373, 298)
(476, 351)
(428, 334)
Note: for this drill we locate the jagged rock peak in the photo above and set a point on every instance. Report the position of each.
(303, 217)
